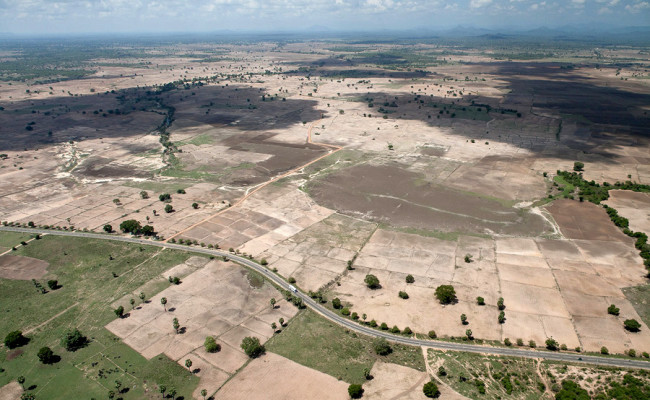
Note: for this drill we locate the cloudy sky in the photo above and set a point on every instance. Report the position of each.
(107, 16)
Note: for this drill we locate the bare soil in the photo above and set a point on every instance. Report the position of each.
(22, 268)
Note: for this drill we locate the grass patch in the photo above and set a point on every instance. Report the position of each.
(499, 377)
(639, 296)
(566, 187)
(317, 343)
(85, 270)
(11, 239)
(197, 140)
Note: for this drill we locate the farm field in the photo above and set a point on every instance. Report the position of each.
(422, 162)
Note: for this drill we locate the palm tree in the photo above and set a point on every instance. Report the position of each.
(273, 302)
(162, 389)
(172, 392)
(132, 301)
(142, 296)
(188, 364)
(176, 325)
(204, 393)
(163, 301)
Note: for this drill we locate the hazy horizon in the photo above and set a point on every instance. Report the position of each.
(60, 17)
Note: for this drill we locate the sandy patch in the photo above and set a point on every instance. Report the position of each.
(22, 268)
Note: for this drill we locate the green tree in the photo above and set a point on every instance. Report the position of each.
(336, 303)
(46, 355)
(604, 350)
(176, 324)
(252, 347)
(430, 389)
(15, 339)
(281, 321)
(355, 391)
(410, 278)
(274, 326)
(172, 392)
(632, 325)
(372, 281)
(463, 319)
(468, 258)
(27, 396)
(578, 166)
(500, 304)
(211, 345)
(507, 342)
(469, 334)
(432, 334)
(162, 389)
(130, 226)
(195, 205)
(480, 301)
(382, 347)
(188, 364)
(446, 294)
(141, 296)
(612, 309)
(147, 230)
(132, 301)
(502, 317)
(204, 393)
(21, 381)
(169, 208)
(552, 344)
(108, 228)
(73, 340)
(119, 311)
(163, 301)
(403, 295)
(144, 194)
(165, 197)
(572, 391)
(273, 302)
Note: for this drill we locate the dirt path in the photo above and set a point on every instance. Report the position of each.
(439, 382)
(333, 149)
(16, 246)
(30, 330)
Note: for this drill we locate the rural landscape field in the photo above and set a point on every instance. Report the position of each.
(291, 217)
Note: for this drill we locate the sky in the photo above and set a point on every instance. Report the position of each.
(44, 17)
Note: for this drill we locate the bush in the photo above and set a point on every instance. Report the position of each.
(430, 390)
(552, 344)
(336, 303)
(500, 304)
(407, 331)
(382, 347)
(46, 355)
(372, 281)
(632, 325)
(15, 339)
(252, 347)
(532, 344)
(383, 326)
(432, 334)
(108, 228)
(169, 208)
(345, 311)
(603, 350)
(507, 342)
(480, 301)
(403, 295)
(165, 197)
(53, 284)
(612, 309)
(74, 340)
(445, 294)
(130, 226)
(578, 166)
(631, 353)
(355, 391)
(520, 342)
(211, 346)
(410, 278)
(292, 279)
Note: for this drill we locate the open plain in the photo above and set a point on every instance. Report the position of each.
(324, 161)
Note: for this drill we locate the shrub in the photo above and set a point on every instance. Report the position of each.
(292, 279)
(603, 350)
(403, 295)
(372, 281)
(383, 326)
(46, 355)
(410, 278)
(252, 347)
(532, 344)
(480, 301)
(500, 304)
(632, 325)
(631, 353)
(73, 340)
(430, 390)
(345, 311)
(394, 329)
(130, 226)
(165, 197)
(507, 342)
(382, 347)
(578, 166)
(336, 303)
(520, 342)
(552, 344)
(211, 346)
(169, 208)
(407, 331)
(108, 228)
(15, 339)
(432, 334)
(446, 294)
(53, 284)
(355, 391)
(612, 309)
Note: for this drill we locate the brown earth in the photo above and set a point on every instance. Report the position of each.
(22, 268)
(11, 391)
(273, 377)
(584, 220)
(632, 205)
(390, 193)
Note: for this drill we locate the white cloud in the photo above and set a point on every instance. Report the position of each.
(479, 3)
(638, 7)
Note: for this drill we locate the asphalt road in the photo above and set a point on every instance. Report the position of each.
(334, 317)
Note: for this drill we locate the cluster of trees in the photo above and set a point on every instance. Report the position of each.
(133, 227)
(252, 347)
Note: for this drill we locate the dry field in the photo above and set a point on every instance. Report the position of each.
(24, 268)
(633, 206)
(274, 377)
(551, 288)
(217, 300)
(391, 381)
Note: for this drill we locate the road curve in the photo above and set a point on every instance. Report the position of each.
(334, 317)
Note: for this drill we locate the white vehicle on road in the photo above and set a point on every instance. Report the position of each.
(293, 289)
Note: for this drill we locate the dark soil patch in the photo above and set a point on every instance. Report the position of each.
(22, 268)
(103, 168)
(390, 193)
(14, 354)
(587, 221)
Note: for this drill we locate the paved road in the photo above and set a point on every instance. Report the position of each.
(334, 317)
